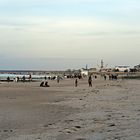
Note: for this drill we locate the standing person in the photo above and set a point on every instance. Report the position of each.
(104, 77)
(76, 82)
(95, 76)
(23, 78)
(58, 79)
(45, 78)
(8, 79)
(30, 77)
(16, 79)
(110, 76)
(90, 81)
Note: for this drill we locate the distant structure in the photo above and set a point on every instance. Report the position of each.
(101, 66)
(137, 67)
(84, 72)
(87, 71)
(122, 68)
(86, 67)
(92, 71)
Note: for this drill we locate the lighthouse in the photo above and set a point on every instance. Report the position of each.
(102, 64)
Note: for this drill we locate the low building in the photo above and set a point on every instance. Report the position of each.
(137, 67)
(122, 68)
(84, 72)
(92, 71)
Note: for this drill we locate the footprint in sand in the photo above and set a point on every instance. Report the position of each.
(71, 130)
(6, 131)
(68, 131)
(95, 91)
(112, 124)
(69, 121)
(47, 125)
(38, 138)
(81, 139)
(78, 127)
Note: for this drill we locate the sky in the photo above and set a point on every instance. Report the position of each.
(68, 34)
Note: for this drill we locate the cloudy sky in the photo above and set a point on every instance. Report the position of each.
(63, 34)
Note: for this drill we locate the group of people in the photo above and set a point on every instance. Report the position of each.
(17, 79)
(89, 81)
(44, 84)
(113, 77)
(90, 78)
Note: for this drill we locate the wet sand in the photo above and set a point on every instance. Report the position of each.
(110, 110)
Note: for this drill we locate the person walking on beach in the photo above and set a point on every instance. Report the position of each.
(58, 79)
(104, 77)
(45, 78)
(90, 81)
(30, 78)
(8, 79)
(110, 76)
(16, 79)
(23, 79)
(95, 76)
(76, 82)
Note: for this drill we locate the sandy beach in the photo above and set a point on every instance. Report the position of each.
(110, 110)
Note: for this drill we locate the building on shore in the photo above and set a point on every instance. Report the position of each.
(122, 68)
(137, 67)
(87, 72)
(84, 72)
(92, 71)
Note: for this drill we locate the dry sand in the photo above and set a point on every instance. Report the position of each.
(110, 110)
